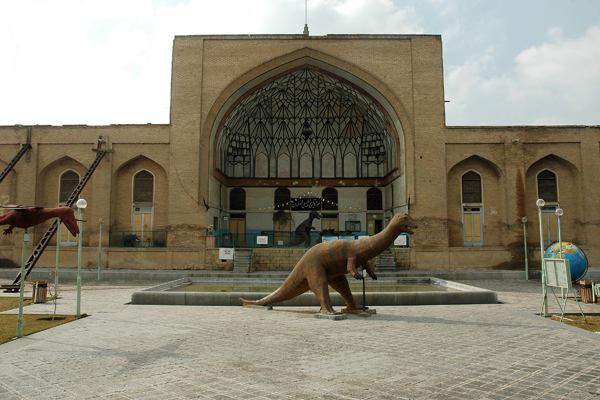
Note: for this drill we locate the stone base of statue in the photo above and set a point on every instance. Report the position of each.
(332, 317)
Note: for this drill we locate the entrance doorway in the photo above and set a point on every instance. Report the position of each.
(374, 223)
(142, 225)
(237, 226)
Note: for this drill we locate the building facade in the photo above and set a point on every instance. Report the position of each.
(265, 129)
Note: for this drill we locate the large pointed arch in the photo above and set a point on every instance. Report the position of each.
(377, 91)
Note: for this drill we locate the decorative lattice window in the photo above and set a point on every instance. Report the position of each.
(143, 187)
(547, 187)
(307, 124)
(471, 188)
(237, 199)
(374, 199)
(282, 198)
(68, 182)
(330, 199)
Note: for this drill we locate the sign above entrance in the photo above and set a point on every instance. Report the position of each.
(306, 204)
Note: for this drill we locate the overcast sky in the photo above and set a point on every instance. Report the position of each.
(100, 62)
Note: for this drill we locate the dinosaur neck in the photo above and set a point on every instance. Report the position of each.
(378, 243)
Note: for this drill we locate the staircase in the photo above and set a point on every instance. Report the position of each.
(242, 260)
(385, 262)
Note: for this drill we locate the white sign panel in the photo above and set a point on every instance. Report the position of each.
(329, 238)
(226, 253)
(558, 273)
(262, 240)
(400, 241)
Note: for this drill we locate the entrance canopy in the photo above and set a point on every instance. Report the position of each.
(307, 124)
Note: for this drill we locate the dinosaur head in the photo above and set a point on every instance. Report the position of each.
(403, 223)
(314, 214)
(67, 216)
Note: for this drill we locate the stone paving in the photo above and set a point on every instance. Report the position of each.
(124, 351)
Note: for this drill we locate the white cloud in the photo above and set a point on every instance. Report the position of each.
(557, 82)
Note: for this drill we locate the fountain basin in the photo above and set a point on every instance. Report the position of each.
(449, 292)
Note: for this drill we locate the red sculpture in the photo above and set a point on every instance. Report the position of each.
(26, 217)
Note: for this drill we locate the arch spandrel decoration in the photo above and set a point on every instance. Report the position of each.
(307, 114)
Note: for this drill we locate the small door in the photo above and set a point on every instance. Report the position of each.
(330, 222)
(472, 226)
(142, 225)
(374, 223)
(237, 226)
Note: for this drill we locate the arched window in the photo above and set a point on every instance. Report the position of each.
(374, 199)
(68, 182)
(547, 187)
(471, 188)
(282, 199)
(237, 199)
(330, 199)
(143, 187)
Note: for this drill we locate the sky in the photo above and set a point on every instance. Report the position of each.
(102, 62)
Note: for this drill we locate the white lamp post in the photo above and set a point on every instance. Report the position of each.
(540, 203)
(100, 249)
(81, 204)
(559, 213)
(524, 221)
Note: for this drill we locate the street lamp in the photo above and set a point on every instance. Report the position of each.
(81, 204)
(540, 203)
(524, 221)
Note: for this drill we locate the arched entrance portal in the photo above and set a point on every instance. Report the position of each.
(308, 130)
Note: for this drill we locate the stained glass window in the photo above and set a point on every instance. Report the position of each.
(68, 182)
(143, 187)
(471, 187)
(547, 188)
(374, 199)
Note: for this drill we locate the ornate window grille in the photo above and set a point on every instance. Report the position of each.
(143, 187)
(374, 199)
(547, 187)
(307, 125)
(471, 188)
(68, 182)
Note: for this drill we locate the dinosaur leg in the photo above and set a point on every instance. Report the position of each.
(340, 284)
(318, 284)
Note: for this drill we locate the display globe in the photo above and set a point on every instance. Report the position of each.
(577, 258)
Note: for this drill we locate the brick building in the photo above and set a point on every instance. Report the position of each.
(351, 126)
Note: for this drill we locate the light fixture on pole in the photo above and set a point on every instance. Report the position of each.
(81, 204)
(541, 203)
(524, 221)
(306, 131)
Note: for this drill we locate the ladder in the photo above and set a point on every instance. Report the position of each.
(14, 161)
(39, 249)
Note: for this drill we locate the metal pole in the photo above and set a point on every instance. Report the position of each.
(540, 203)
(559, 213)
(58, 236)
(100, 249)
(79, 216)
(524, 220)
(26, 238)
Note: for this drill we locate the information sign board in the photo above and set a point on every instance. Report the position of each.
(226, 253)
(558, 273)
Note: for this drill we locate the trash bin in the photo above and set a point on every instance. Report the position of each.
(40, 291)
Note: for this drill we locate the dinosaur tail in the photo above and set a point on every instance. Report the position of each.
(294, 285)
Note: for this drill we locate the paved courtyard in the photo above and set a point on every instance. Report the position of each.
(124, 351)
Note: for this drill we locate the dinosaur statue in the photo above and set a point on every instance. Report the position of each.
(26, 217)
(327, 264)
(303, 230)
